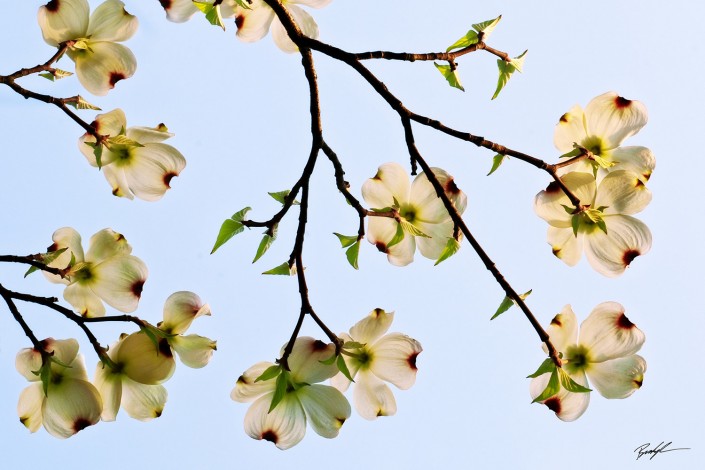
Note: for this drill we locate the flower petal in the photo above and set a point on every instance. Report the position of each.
(285, 426)
(563, 330)
(151, 169)
(253, 23)
(304, 21)
(439, 234)
(614, 118)
(106, 244)
(118, 181)
(194, 351)
(71, 406)
(325, 407)
(143, 402)
(180, 309)
(305, 360)
(311, 3)
(65, 237)
(63, 20)
(179, 11)
(391, 182)
(567, 406)
(570, 129)
(622, 192)
(145, 362)
(639, 160)
(29, 407)
(565, 245)
(105, 64)
(372, 327)
(372, 397)
(84, 300)
(618, 378)
(394, 359)
(148, 135)
(109, 385)
(626, 238)
(110, 22)
(246, 389)
(119, 281)
(402, 253)
(609, 334)
(548, 204)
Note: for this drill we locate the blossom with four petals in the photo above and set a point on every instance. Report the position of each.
(107, 272)
(67, 402)
(305, 400)
(100, 61)
(136, 162)
(604, 351)
(380, 358)
(421, 214)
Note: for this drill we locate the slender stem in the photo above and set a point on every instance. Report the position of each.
(8, 296)
(32, 261)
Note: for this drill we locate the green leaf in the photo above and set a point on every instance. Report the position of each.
(269, 373)
(497, 160)
(123, 140)
(281, 270)
(503, 307)
(79, 103)
(343, 367)
(569, 384)
(230, 228)
(212, 13)
(487, 27)
(97, 151)
(244, 4)
(46, 258)
(553, 387)
(506, 69)
(281, 197)
(353, 345)
(450, 74)
(56, 74)
(399, 236)
(266, 242)
(352, 254)
(451, 248)
(575, 223)
(45, 375)
(280, 390)
(469, 39)
(573, 153)
(330, 360)
(410, 228)
(346, 240)
(546, 366)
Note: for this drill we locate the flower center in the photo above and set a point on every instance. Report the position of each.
(408, 212)
(83, 274)
(577, 359)
(595, 145)
(122, 154)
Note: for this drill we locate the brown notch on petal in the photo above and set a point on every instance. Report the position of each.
(377, 312)
(556, 321)
(116, 192)
(380, 412)
(412, 360)
(556, 251)
(624, 323)
(164, 348)
(564, 118)
(166, 3)
(52, 247)
(239, 21)
(270, 436)
(168, 177)
(53, 5)
(629, 256)
(381, 247)
(638, 382)
(80, 424)
(451, 187)
(340, 421)
(242, 380)
(23, 420)
(553, 187)
(622, 102)
(318, 345)
(553, 404)
(157, 413)
(137, 288)
(119, 237)
(115, 77)
(639, 184)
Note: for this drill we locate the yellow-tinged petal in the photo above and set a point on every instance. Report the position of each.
(109, 385)
(372, 327)
(611, 253)
(393, 359)
(372, 397)
(609, 334)
(119, 281)
(103, 65)
(110, 22)
(143, 402)
(150, 169)
(305, 360)
(194, 351)
(614, 118)
(70, 406)
(253, 23)
(247, 390)
(84, 300)
(284, 426)
(29, 407)
(146, 362)
(325, 407)
(389, 184)
(63, 20)
(566, 405)
(305, 22)
(180, 309)
(106, 244)
(618, 378)
(570, 129)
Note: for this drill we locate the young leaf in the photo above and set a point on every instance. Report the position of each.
(244, 4)
(399, 236)
(352, 254)
(79, 103)
(342, 367)
(46, 258)
(497, 160)
(575, 223)
(553, 387)
(546, 366)
(411, 228)
(280, 196)
(569, 384)
(353, 345)
(346, 240)
(450, 75)
(269, 373)
(503, 307)
(506, 69)
(330, 360)
(212, 13)
(280, 390)
(282, 270)
(266, 242)
(487, 27)
(230, 228)
(468, 40)
(55, 74)
(452, 247)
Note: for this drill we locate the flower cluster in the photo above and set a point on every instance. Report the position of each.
(604, 352)
(286, 400)
(136, 162)
(130, 375)
(610, 182)
(419, 216)
(254, 18)
(92, 40)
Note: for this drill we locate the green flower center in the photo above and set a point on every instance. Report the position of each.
(83, 274)
(595, 145)
(577, 359)
(408, 212)
(122, 154)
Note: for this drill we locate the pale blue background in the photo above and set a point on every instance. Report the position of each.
(240, 115)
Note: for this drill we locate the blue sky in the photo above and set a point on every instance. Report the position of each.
(240, 115)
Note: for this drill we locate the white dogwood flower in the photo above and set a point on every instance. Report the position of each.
(604, 352)
(107, 272)
(180, 309)
(422, 216)
(305, 400)
(254, 22)
(603, 227)
(607, 121)
(380, 358)
(100, 61)
(136, 163)
(69, 403)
